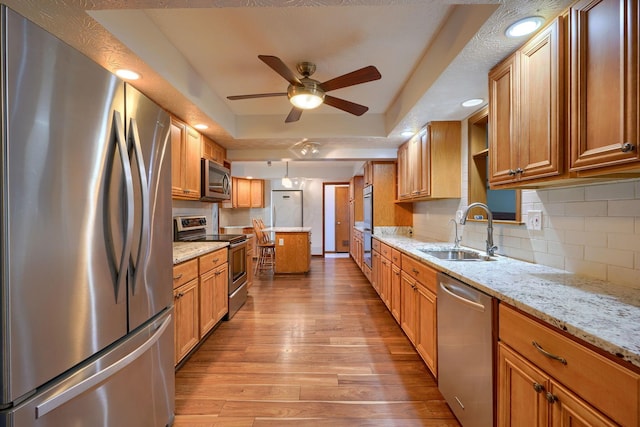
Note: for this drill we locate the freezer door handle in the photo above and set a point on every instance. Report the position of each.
(126, 170)
(72, 392)
(143, 249)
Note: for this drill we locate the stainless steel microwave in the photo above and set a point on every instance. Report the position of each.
(216, 182)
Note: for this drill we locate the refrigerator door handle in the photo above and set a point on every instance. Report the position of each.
(143, 249)
(51, 404)
(126, 170)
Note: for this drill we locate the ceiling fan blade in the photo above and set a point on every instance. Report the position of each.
(279, 67)
(256, 95)
(362, 75)
(344, 105)
(294, 115)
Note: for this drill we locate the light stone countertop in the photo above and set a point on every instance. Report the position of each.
(601, 313)
(184, 251)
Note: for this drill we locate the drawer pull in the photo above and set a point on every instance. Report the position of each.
(549, 355)
(178, 277)
(539, 388)
(215, 260)
(415, 271)
(627, 147)
(551, 398)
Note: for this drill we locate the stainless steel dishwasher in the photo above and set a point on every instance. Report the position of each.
(465, 351)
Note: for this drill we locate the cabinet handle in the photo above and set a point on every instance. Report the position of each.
(539, 388)
(627, 146)
(549, 355)
(519, 171)
(551, 398)
(179, 276)
(512, 172)
(415, 271)
(215, 260)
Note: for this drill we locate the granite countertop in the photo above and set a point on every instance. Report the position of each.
(601, 313)
(288, 229)
(184, 251)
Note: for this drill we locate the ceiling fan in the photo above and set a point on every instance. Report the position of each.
(306, 93)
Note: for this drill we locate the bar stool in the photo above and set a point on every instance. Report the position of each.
(266, 250)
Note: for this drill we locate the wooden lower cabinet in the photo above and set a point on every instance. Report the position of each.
(293, 252)
(384, 281)
(576, 387)
(376, 263)
(187, 331)
(214, 297)
(529, 397)
(396, 285)
(200, 298)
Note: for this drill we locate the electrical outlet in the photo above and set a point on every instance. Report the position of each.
(534, 220)
(280, 242)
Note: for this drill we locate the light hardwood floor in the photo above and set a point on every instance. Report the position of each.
(310, 350)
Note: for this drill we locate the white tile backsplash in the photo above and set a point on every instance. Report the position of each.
(592, 230)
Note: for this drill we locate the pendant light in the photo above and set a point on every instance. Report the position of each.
(286, 182)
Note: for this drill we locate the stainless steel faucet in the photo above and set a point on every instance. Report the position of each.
(456, 240)
(491, 248)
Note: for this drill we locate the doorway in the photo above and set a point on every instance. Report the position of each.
(336, 219)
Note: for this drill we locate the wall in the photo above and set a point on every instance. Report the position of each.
(592, 230)
(307, 176)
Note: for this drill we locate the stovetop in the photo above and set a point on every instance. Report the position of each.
(194, 229)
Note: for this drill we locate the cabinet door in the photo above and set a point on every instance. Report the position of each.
(423, 183)
(186, 328)
(257, 193)
(521, 391)
(376, 264)
(426, 342)
(403, 172)
(503, 104)
(604, 84)
(384, 279)
(568, 410)
(242, 193)
(395, 292)
(221, 292)
(207, 301)
(408, 307)
(540, 126)
(177, 159)
(192, 163)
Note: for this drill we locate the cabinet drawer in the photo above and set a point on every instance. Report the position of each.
(420, 272)
(385, 250)
(609, 387)
(212, 260)
(396, 256)
(375, 245)
(184, 272)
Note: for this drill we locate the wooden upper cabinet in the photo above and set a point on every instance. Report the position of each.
(246, 193)
(185, 161)
(212, 151)
(604, 86)
(429, 163)
(526, 110)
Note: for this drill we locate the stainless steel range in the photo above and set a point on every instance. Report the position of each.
(194, 229)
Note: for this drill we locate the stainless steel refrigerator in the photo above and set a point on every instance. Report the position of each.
(286, 208)
(86, 292)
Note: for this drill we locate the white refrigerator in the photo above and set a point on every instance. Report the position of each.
(286, 208)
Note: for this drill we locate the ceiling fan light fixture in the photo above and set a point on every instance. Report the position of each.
(305, 97)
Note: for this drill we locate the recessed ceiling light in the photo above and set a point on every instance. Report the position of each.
(524, 26)
(127, 74)
(407, 133)
(472, 102)
(201, 126)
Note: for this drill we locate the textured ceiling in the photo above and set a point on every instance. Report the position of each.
(432, 55)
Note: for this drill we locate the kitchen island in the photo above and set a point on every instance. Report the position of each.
(293, 249)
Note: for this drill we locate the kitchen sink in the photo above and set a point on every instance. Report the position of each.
(456, 254)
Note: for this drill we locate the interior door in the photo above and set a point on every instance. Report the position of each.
(342, 219)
